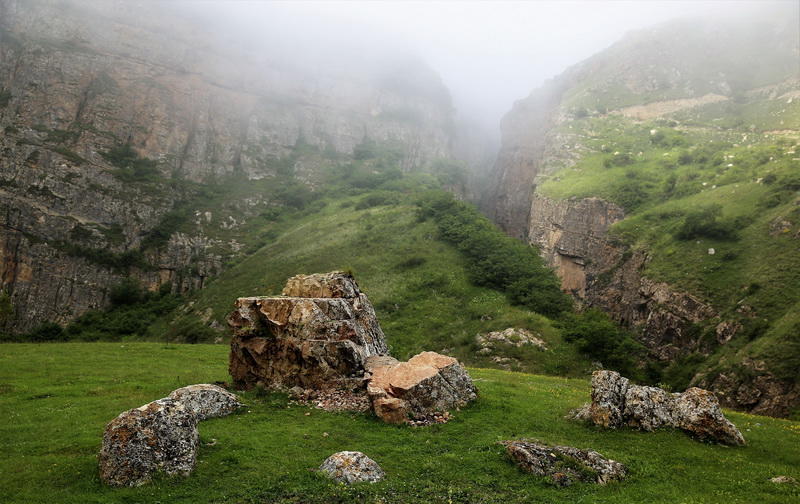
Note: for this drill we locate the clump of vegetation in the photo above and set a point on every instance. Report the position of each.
(5, 97)
(130, 166)
(598, 337)
(495, 260)
(705, 223)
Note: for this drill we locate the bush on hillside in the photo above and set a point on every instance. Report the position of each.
(494, 259)
(705, 223)
(597, 336)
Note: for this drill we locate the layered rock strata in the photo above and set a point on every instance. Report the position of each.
(318, 336)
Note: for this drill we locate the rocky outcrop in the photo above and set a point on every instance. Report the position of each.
(427, 384)
(510, 337)
(352, 467)
(617, 403)
(304, 340)
(78, 79)
(160, 436)
(564, 465)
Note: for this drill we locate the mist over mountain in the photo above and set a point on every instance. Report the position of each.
(355, 199)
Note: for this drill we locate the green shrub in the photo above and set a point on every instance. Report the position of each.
(705, 223)
(131, 167)
(127, 292)
(5, 98)
(598, 336)
(377, 199)
(494, 259)
(47, 331)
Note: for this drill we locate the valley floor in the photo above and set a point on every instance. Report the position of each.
(55, 400)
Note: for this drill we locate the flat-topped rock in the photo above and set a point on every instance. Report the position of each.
(336, 284)
(304, 340)
(426, 384)
(207, 400)
(617, 403)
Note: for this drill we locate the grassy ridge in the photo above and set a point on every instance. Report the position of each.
(56, 398)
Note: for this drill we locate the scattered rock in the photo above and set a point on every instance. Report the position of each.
(207, 401)
(726, 330)
(564, 465)
(159, 436)
(429, 383)
(511, 337)
(783, 480)
(352, 467)
(318, 338)
(617, 403)
(334, 399)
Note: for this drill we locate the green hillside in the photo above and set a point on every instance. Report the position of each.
(56, 399)
(722, 176)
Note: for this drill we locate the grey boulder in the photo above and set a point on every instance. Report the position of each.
(352, 467)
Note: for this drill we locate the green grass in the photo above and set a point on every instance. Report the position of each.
(55, 400)
(419, 285)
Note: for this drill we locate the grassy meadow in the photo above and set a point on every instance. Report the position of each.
(57, 398)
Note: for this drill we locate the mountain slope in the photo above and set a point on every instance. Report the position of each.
(661, 182)
(111, 115)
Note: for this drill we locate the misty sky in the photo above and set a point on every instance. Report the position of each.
(489, 54)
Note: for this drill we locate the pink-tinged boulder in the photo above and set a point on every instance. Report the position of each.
(426, 384)
(317, 336)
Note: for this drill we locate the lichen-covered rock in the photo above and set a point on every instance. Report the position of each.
(206, 400)
(303, 340)
(511, 336)
(159, 436)
(697, 411)
(352, 467)
(427, 383)
(564, 465)
(616, 403)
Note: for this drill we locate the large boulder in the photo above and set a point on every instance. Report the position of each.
(564, 465)
(318, 335)
(616, 403)
(206, 400)
(352, 467)
(159, 436)
(426, 384)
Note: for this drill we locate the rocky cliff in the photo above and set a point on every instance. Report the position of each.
(550, 190)
(109, 111)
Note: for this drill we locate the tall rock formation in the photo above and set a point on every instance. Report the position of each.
(109, 109)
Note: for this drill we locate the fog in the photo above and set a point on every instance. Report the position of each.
(489, 54)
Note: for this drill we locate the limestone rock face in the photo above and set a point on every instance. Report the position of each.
(305, 340)
(159, 436)
(352, 467)
(426, 384)
(561, 463)
(617, 403)
(206, 401)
